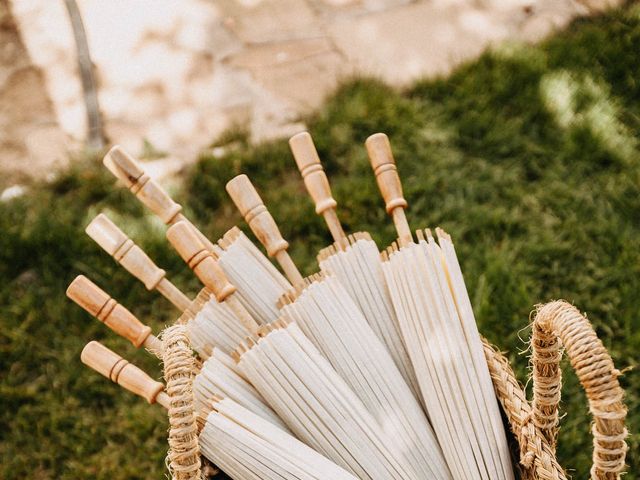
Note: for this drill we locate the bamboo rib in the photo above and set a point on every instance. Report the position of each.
(211, 324)
(454, 280)
(437, 324)
(290, 452)
(354, 260)
(125, 168)
(286, 377)
(241, 443)
(331, 320)
(359, 268)
(259, 283)
(319, 406)
(217, 378)
(218, 375)
(124, 251)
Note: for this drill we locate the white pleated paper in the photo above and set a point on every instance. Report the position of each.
(332, 321)
(359, 269)
(320, 408)
(442, 338)
(246, 446)
(259, 283)
(220, 377)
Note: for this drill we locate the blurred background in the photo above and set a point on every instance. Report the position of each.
(515, 125)
(172, 76)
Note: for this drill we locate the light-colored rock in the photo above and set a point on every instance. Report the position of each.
(30, 140)
(270, 20)
(178, 77)
(12, 192)
(301, 71)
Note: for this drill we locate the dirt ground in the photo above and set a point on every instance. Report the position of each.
(30, 138)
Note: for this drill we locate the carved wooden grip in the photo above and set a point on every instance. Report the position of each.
(255, 213)
(99, 304)
(108, 363)
(306, 156)
(384, 168)
(187, 243)
(125, 168)
(117, 244)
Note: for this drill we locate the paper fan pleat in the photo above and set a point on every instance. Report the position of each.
(358, 267)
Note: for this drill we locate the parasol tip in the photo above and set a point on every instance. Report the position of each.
(106, 234)
(245, 196)
(255, 213)
(123, 166)
(304, 152)
(384, 168)
(99, 304)
(315, 179)
(379, 150)
(111, 365)
(87, 295)
(184, 239)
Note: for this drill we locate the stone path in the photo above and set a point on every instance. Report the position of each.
(177, 74)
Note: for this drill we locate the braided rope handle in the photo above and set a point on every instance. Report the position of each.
(558, 324)
(179, 371)
(537, 458)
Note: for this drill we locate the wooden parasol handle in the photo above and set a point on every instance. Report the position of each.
(207, 269)
(386, 172)
(315, 179)
(124, 251)
(99, 304)
(262, 224)
(111, 365)
(559, 324)
(148, 191)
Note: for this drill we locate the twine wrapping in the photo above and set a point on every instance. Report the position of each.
(536, 456)
(547, 382)
(179, 370)
(534, 425)
(559, 322)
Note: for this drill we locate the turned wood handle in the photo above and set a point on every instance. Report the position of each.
(117, 244)
(148, 191)
(384, 168)
(252, 208)
(187, 243)
(108, 363)
(306, 156)
(99, 304)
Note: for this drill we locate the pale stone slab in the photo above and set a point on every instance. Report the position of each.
(270, 21)
(178, 77)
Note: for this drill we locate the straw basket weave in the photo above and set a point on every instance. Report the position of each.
(556, 326)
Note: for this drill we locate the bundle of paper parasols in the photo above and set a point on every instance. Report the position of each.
(372, 368)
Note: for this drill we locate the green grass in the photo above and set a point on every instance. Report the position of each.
(528, 157)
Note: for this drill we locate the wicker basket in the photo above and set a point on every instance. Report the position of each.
(535, 424)
(556, 325)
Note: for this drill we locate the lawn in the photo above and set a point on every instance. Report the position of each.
(528, 157)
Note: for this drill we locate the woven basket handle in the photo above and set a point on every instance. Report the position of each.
(537, 458)
(179, 372)
(559, 323)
